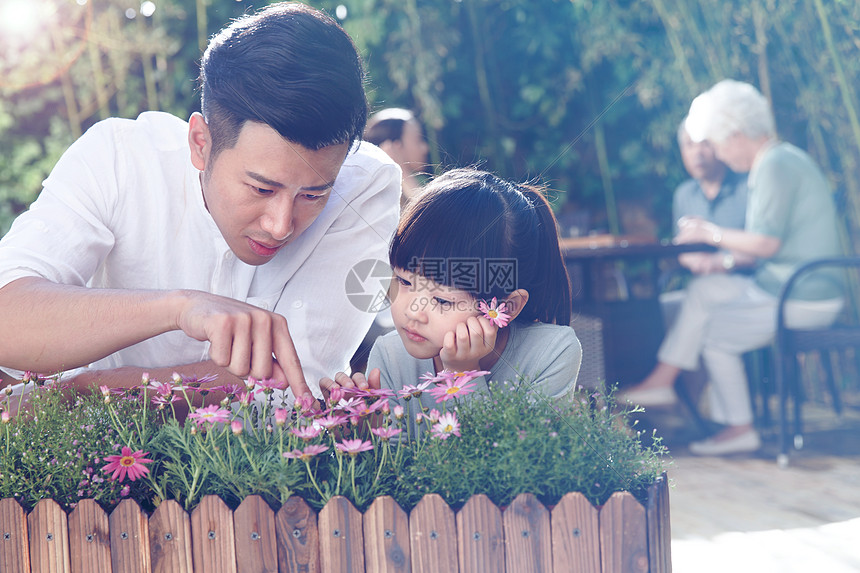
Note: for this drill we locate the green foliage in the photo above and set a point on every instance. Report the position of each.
(516, 442)
(57, 450)
(583, 94)
(505, 444)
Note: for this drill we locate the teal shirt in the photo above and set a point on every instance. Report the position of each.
(789, 199)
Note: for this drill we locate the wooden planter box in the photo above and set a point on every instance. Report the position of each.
(621, 536)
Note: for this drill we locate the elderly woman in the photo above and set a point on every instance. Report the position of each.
(791, 219)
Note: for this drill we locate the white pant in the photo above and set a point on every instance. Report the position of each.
(721, 318)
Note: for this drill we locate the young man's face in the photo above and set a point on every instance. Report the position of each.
(424, 311)
(265, 191)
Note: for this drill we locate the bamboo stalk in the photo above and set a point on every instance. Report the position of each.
(484, 84)
(675, 43)
(759, 19)
(202, 25)
(606, 178)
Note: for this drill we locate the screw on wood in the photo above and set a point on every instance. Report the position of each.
(123, 535)
(49, 537)
(90, 537)
(211, 535)
(255, 536)
(389, 534)
(336, 532)
(525, 533)
(168, 536)
(297, 533)
(576, 532)
(476, 536)
(7, 536)
(434, 535)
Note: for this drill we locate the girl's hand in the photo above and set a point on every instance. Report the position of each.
(358, 380)
(463, 347)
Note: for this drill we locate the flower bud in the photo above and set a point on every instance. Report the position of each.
(237, 427)
(398, 412)
(280, 416)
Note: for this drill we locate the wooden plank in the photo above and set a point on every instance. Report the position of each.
(659, 531)
(256, 544)
(298, 537)
(89, 538)
(129, 538)
(341, 539)
(480, 536)
(213, 540)
(170, 539)
(14, 544)
(528, 536)
(49, 538)
(386, 538)
(575, 535)
(433, 536)
(623, 535)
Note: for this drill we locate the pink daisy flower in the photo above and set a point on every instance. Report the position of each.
(414, 391)
(495, 312)
(281, 415)
(362, 409)
(127, 463)
(331, 421)
(354, 447)
(446, 426)
(230, 389)
(307, 454)
(452, 389)
(306, 432)
(443, 376)
(213, 414)
(270, 384)
(386, 433)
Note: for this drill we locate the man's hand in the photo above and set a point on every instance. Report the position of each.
(697, 230)
(243, 338)
(463, 348)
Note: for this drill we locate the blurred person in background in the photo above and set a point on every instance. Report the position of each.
(399, 134)
(791, 219)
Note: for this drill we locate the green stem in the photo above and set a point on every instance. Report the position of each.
(313, 481)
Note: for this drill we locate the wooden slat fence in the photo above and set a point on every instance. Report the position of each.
(622, 536)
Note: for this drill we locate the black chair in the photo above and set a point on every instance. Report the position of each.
(789, 343)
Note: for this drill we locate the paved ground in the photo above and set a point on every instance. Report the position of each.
(745, 514)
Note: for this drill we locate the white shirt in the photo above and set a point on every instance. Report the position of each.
(123, 208)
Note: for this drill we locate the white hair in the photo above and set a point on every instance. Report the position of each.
(727, 108)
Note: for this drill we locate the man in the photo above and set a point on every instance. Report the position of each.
(399, 134)
(714, 193)
(217, 246)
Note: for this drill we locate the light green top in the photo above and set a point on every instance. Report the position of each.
(789, 199)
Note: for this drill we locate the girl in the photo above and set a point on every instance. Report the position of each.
(468, 238)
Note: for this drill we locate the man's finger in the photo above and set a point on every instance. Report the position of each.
(374, 379)
(285, 351)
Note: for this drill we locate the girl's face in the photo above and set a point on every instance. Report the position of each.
(424, 311)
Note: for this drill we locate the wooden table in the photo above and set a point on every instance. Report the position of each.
(620, 329)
